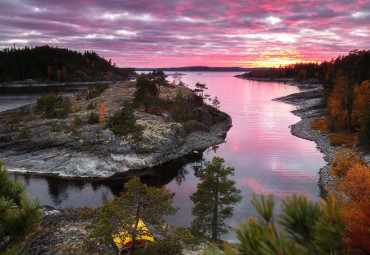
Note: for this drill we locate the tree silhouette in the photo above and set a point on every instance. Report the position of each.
(199, 88)
(146, 90)
(213, 199)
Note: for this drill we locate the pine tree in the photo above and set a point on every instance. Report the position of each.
(216, 103)
(304, 228)
(213, 199)
(18, 214)
(120, 217)
(200, 88)
(146, 90)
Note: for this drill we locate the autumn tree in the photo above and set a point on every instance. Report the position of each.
(64, 73)
(18, 213)
(361, 110)
(121, 216)
(146, 90)
(103, 110)
(352, 181)
(59, 75)
(356, 240)
(76, 107)
(214, 199)
(339, 103)
(351, 186)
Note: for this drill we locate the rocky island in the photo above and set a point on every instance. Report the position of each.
(77, 146)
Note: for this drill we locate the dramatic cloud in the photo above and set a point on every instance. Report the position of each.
(153, 33)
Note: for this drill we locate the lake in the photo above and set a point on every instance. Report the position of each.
(266, 157)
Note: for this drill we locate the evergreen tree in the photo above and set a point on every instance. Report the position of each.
(304, 228)
(200, 88)
(146, 90)
(123, 121)
(18, 214)
(213, 199)
(216, 103)
(160, 80)
(121, 217)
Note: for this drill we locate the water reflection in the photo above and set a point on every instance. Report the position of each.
(61, 193)
(266, 157)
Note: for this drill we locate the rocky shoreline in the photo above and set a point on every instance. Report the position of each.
(308, 108)
(57, 147)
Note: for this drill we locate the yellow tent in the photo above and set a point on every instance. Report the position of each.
(139, 239)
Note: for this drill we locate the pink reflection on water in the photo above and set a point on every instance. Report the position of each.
(267, 158)
(254, 185)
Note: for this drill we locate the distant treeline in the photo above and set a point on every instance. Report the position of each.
(346, 94)
(203, 69)
(45, 63)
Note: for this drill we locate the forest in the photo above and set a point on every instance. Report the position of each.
(346, 90)
(45, 63)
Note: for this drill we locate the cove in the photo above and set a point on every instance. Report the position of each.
(267, 158)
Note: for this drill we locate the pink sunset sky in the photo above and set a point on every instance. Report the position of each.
(153, 33)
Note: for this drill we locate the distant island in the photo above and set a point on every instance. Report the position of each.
(53, 64)
(204, 69)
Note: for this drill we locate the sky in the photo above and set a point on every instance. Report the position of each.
(174, 33)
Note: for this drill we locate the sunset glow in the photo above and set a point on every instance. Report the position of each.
(152, 33)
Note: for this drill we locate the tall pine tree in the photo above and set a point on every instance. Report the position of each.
(18, 214)
(213, 199)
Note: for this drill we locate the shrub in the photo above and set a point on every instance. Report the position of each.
(96, 90)
(166, 246)
(54, 106)
(24, 133)
(91, 106)
(346, 139)
(320, 124)
(93, 118)
(77, 121)
(123, 121)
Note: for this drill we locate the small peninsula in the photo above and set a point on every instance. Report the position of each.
(71, 147)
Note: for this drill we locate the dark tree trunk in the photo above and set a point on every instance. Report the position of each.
(215, 211)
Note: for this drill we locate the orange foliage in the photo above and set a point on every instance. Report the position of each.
(108, 76)
(76, 107)
(343, 161)
(356, 184)
(64, 72)
(49, 72)
(346, 139)
(59, 75)
(357, 240)
(352, 186)
(103, 110)
(361, 104)
(320, 124)
(338, 102)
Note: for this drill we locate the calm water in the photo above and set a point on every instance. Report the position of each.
(266, 157)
